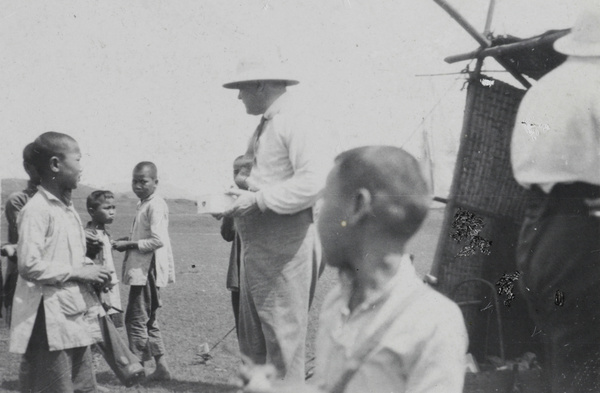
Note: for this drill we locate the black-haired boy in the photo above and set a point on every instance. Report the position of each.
(50, 325)
(14, 204)
(147, 267)
(100, 205)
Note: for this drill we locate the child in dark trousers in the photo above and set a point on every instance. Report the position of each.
(148, 266)
(101, 207)
(128, 368)
(51, 323)
(14, 205)
(241, 170)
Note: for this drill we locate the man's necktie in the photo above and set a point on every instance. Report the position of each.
(253, 145)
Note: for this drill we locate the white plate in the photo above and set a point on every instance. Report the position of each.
(214, 203)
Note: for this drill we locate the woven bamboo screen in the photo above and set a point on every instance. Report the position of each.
(483, 184)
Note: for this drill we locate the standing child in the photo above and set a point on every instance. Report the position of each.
(148, 266)
(14, 204)
(50, 323)
(101, 207)
(127, 367)
(241, 170)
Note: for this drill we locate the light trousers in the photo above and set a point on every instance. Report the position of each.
(278, 272)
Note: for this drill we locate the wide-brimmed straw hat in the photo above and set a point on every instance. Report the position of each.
(584, 39)
(260, 70)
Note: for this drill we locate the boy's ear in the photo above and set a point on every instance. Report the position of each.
(362, 206)
(54, 164)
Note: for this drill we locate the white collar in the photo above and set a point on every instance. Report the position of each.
(405, 277)
(52, 197)
(276, 106)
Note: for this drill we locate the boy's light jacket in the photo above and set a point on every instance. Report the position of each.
(51, 245)
(151, 231)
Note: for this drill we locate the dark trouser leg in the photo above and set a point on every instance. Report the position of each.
(41, 370)
(235, 305)
(558, 254)
(143, 332)
(155, 341)
(10, 286)
(136, 318)
(84, 379)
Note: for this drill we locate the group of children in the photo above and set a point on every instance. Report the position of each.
(381, 328)
(62, 292)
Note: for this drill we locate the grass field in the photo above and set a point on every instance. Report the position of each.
(196, 309)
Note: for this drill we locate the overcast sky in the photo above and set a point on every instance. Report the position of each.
(141, 80)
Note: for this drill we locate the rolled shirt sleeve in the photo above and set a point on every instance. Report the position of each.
(302, 190)
(293, 160)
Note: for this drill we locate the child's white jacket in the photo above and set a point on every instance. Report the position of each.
(151, 231)
(51, 245)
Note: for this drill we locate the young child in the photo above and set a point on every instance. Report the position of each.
(14, 204)
(241, 170)
(50, 322)
(101, 207)
(381, 329)
(147, 267)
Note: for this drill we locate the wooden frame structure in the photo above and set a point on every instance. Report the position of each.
(485, 142)
(482, 39)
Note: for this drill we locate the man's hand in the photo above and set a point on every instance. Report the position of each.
(94, 274)
(244, 205)
(9, 250)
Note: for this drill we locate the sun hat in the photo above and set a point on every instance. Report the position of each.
(260, 70)
(584, 39)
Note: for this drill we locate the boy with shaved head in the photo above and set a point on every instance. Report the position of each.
(147, 267)
(14, 204)
(381, 329)
(50, 322)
